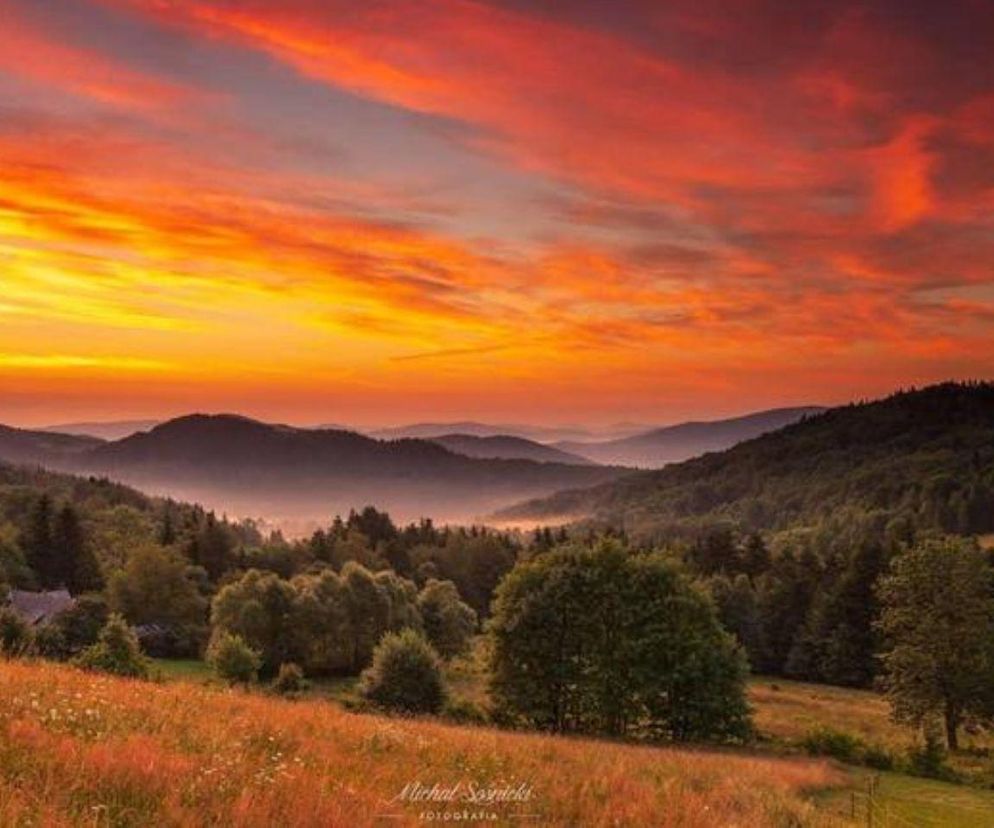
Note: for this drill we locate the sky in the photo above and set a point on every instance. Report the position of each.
(586, 212)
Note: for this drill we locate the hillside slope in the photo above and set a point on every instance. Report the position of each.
(76, 745)
(673, 444)
(505, 447)
(18, 445)
(925, 457)
(105, 430)
(252, 468)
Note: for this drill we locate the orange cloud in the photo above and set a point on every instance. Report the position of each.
(736, 211)
(28, 51)
(901, 170)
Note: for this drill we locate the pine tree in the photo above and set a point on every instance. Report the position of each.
(38, 548)
(75, 562)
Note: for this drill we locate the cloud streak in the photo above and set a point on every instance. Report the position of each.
(711, 199)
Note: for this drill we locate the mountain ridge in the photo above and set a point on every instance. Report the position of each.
(241, 465)
(507, 447)
(924, 456)
(681, 441)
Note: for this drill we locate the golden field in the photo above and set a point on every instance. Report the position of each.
(84, 749)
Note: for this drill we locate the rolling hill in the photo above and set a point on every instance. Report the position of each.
(109, 430)
(673, 444)
(249, 468)
(924, 458)
(505, 447)
(539, 434)
(18, 445)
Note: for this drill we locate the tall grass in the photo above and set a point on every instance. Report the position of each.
(83, 749)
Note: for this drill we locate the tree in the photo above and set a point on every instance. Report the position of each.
(937, 619)
(322, 623)
(75, 628)
(402, 598)
(449, 624)
(212, 547)
(155, 588)
(37, 544)
(14, 569)
(233, 659)
(783, 595)
(735, 600)
(601, 640)
(117, 651)
(837, 643)
(405, 676)
(76, 566)
(368, 608)
(259, 607)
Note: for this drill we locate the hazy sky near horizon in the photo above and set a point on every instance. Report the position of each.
(535, 211)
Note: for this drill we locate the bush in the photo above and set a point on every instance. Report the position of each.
(405, 676)
(929, 759)
(827, 742)
(15, 634)
(878, 758)
(465, 711)
(50, 642)
(117, 651)
(80, 624)
(847, 748)
(233, 659)
(290, 680)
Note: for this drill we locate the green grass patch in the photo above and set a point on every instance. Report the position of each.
(183, 669)
(900, 801)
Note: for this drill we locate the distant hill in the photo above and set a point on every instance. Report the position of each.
(921, 458)
(250, 468)
(504, 447)
(114, 430)
(673, 444)
(540, 434)
(18, 445)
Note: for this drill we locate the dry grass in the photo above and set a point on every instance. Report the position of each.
(81, 749)
(789, 710)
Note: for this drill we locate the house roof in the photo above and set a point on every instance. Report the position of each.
(37, 607)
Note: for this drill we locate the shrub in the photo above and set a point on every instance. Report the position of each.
(15, 634)
(290, 680)
(827, 742)
(233, 659)
(117, 651)
(929, 758)
(80, 624)
(465, 711)
(405, 676)
(50, 642)
(878, 758)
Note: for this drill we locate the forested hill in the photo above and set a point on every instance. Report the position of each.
(921, 458)
(293, 475)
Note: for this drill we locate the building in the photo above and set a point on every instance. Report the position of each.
(38, 608)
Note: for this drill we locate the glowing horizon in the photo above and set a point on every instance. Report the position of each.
(445, 209)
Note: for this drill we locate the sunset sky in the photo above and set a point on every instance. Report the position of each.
(586, 212)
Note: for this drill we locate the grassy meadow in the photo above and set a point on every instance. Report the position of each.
(785, 713)
(86, 749)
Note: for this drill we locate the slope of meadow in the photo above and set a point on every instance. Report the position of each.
(78, 748)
